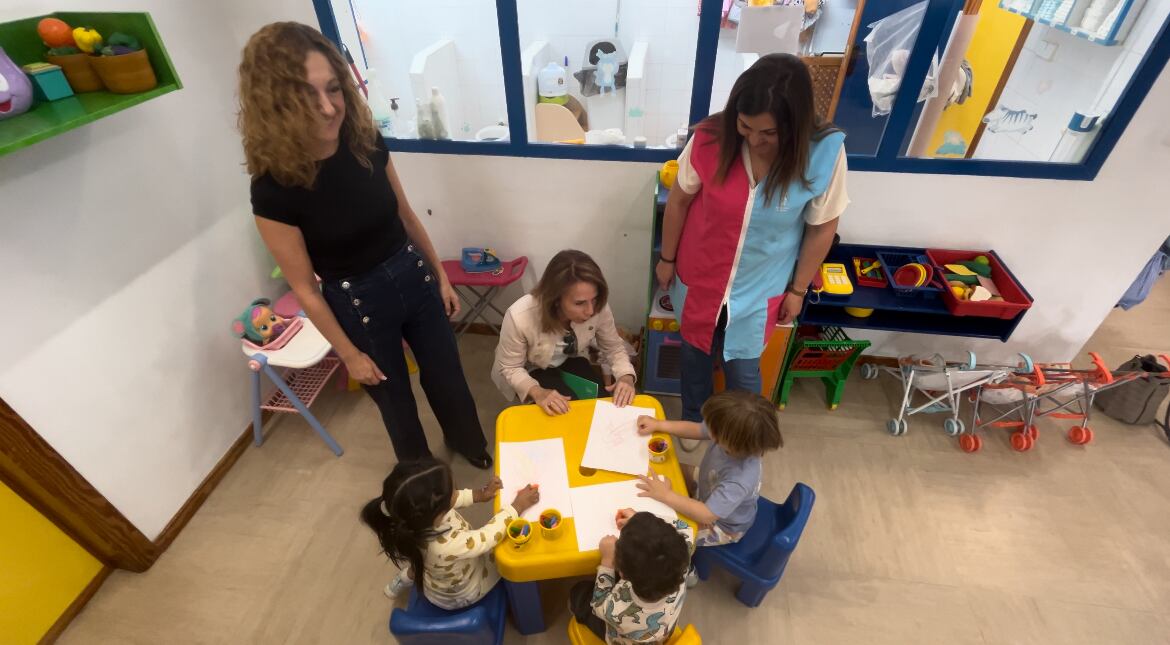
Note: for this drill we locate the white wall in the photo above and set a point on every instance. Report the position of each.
(536, 207)
(126, 247)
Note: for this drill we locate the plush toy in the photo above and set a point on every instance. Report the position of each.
(16, 93)
(607, 69)
(259, 323)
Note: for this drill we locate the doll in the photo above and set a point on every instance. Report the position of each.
(259, 324)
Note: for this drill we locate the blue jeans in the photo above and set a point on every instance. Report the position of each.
(698, 380)
(395, 301)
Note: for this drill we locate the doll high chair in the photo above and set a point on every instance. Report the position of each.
(308, 364)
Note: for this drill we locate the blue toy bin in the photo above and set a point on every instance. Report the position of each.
(894, 260)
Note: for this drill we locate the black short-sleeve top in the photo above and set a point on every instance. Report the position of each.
(349, 218)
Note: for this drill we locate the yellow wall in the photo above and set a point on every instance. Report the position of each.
(992, 44)
(42, 571)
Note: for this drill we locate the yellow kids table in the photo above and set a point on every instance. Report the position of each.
(542, 559)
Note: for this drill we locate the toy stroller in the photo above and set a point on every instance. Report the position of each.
(1048, 390)
(941, 384)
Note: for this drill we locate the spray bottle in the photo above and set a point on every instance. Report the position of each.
(379, 106)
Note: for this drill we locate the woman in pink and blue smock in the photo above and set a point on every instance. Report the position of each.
(749, 220)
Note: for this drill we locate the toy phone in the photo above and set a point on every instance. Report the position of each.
(834, 279)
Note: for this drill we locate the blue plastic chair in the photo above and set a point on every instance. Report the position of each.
(422, 623)
(759, 558)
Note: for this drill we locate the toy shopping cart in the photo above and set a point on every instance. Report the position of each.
(819, 352)
(933, 385)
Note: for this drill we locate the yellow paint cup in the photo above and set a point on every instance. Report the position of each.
(551, 524)
(659, 449)
(519, 532)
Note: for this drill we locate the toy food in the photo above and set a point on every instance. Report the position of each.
(979, 294)
(978, 268)
(55, 33)
(982, 259)
(259, 323)
(87, 39)
(120, 43)
(969, 280)
(988, 284)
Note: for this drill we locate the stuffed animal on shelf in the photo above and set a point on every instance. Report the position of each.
(259, 324)
(607, 69)
(16, 92)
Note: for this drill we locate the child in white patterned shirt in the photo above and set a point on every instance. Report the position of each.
(418, 527)
(640, 585)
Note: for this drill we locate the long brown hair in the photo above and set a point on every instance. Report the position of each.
(414, 495)
(566, 269)
(780, 85)
(278, 107)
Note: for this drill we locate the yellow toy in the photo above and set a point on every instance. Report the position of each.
(834, 279)
(668, 173)
(87, 39)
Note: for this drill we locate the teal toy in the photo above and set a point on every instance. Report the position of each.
(48, 82)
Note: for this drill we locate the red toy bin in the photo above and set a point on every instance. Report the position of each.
(1015, 298)
(876, 278)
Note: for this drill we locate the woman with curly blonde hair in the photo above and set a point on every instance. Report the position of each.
(327, 201)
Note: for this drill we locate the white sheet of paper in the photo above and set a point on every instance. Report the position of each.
(536, 462)
(596, 508)
(614, 443)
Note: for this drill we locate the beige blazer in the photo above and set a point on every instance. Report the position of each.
(523, 346)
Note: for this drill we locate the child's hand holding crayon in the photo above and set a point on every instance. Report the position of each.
(526, 498)
(623, 516)
(648, 425)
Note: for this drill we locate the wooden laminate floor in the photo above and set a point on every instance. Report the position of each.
(910, 541)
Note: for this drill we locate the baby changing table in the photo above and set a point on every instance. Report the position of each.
(306, 363)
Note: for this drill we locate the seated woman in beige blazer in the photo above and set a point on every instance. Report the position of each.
(548, 332)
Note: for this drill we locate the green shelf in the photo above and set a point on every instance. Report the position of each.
(20, 41)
